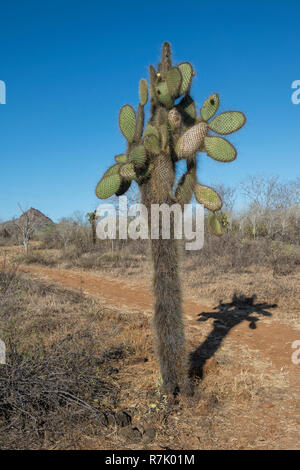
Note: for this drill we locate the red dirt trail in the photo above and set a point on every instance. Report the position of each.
(272, 340)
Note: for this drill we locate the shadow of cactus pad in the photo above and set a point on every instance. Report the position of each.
(228, 122)
(108, 186)
(208, 197)
(187, 108)
(124, 186)
(219, 149)
(210, 107)
(127, 122)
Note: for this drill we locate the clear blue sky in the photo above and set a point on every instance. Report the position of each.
(70, 65)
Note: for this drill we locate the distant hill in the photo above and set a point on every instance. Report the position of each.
(38, 219)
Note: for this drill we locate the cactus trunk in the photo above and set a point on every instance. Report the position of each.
(168, 320)
(168, 316)
(94, 238)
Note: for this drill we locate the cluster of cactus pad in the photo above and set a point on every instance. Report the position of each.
(174, 128)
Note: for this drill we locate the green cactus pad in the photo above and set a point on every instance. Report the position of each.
(163, 129)
(127, 171)
(208, 197)
(219, 149)
(122, 158)
(151, 130)
(153, 80)
(187, 109)
(187, 73)
(138, 155)
(164, 95)
(124, 186)
(143, 91)
(113, 170)
(174, 80)
(210, 107)
(108, 186)
(214, 225)
(127, 122)
(152, 144)
(185, 188)
(228, 122)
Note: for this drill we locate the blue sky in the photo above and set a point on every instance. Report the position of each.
(70, 65)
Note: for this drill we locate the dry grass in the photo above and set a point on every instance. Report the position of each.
(105, 360)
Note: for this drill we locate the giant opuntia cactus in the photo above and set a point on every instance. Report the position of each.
(173, 132)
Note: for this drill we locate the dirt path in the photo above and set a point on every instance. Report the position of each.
(273, 340)
(246, 329)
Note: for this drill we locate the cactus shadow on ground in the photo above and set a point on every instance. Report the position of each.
(226, 317)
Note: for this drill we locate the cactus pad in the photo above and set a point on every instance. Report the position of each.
(191, 141)
(113, 170)
(185, 188)
(174, 80)
(214, 225)
(208, 197)
(210, 107)
(127, 122)
(174, 118)
(228, 122)
(124, 186)
(143, 92)
(138, 155)
(219, 149)
(152, 144)
(187, 73)
(122, 158)
(108, 186)
(151, 130)
(164, 95)
(127, 171)
(187, 109)
(164, 132)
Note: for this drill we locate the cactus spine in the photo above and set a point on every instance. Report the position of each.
(173, 132)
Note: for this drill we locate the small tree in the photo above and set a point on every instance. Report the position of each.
(173, 132)
(92, 217)
(26, 227)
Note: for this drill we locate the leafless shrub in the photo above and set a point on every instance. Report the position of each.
(51, 390)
